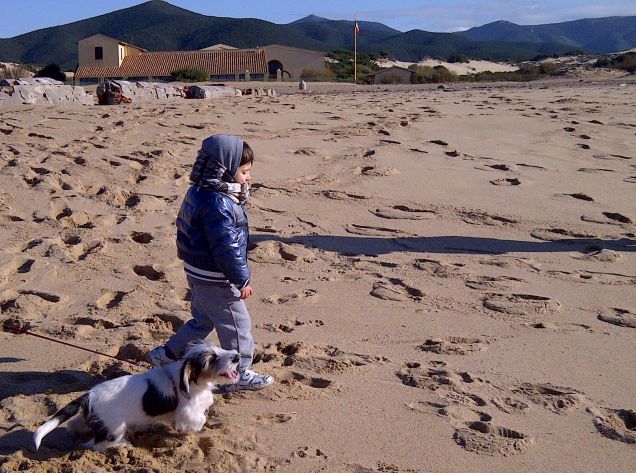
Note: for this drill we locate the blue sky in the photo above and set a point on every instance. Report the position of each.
(22, 16)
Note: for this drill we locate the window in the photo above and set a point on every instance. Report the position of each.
(99, 53)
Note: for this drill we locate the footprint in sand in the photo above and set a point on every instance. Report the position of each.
(17, 265)
(395, 289)
(559, 234)
(141, 237)
(339, 195)
(454, 345)
(148, 272)
(510, 181)
(45, 296)
(60, 210)
(307, 452)
(308, 152)
(531, 166)
(616, 424)
(439, 142)
(620, 317)
(373, 231)
(554, 398)
(576, 195)
(275, 418)
(500, 167)
(316, 358)
(403, 212)
(290, 325)
(276, 252)
(110, 299)
(484, 438)
(458, 414)
(509, 405)
(306, 296)
(438, 268)
(437, 374)
(377, 172)
(595, 253)
(594, 170)
(598, 277)
(520, 304)
(608, 218)
(499, 283)
(85, 250)
(291, 378)
(555, 327)
(99, 323)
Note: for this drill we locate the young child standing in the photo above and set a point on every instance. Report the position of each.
(212, 236)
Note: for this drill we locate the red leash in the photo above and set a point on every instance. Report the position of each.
(8, 326)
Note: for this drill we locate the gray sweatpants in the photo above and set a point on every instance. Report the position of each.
(217, 306)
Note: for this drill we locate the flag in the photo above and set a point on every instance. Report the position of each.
(357, 28)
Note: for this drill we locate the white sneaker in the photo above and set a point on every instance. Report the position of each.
(248, 380)
(157, 357)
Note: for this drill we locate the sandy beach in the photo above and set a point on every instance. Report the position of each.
(444, 280)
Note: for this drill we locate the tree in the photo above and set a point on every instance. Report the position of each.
(51, 71)
(190, 74)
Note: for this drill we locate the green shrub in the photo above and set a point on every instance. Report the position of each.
(343, 69)
(428, 74)
(603, 62)
(190, 74)
(548, 68)
(14, 72)
(458, 58)
(626, 62)
(52, 71)
(312, 75)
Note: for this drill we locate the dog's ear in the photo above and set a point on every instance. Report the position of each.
(210, 358)
(184, 378)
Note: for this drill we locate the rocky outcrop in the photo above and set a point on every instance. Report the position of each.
(41, 90)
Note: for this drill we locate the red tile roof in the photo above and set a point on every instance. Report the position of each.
(161, 64)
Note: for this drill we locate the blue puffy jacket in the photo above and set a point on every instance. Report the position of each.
(212, 234)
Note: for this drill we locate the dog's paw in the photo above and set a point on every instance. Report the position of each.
(182, 428)
(185, 427)
(199, 423)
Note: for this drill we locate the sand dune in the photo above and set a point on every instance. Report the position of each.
(443, 281)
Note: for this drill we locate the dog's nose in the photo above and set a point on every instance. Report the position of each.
(235, 359)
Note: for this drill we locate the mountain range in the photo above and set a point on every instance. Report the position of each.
(159, 26)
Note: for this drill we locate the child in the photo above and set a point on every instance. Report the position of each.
(212, 235)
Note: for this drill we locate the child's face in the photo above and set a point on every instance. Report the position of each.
(243, 173)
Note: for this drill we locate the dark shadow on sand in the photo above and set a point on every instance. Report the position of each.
(58, 443)
(366, 245)
(27, 383)
(10, 359)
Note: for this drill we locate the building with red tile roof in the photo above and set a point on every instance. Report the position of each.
(102, 57)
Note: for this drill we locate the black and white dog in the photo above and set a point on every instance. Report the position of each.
(177, 395)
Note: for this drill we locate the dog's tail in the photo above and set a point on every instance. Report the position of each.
(60, 416)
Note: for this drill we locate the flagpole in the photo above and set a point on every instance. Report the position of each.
(355, 52)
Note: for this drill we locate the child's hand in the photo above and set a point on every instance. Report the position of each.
(246, 292)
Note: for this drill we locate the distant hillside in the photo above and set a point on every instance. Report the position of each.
(338, 34)
(600, 35)
(155, 25)
(159, 26)
(415, 44)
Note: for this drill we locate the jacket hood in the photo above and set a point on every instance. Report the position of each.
(226, 150)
